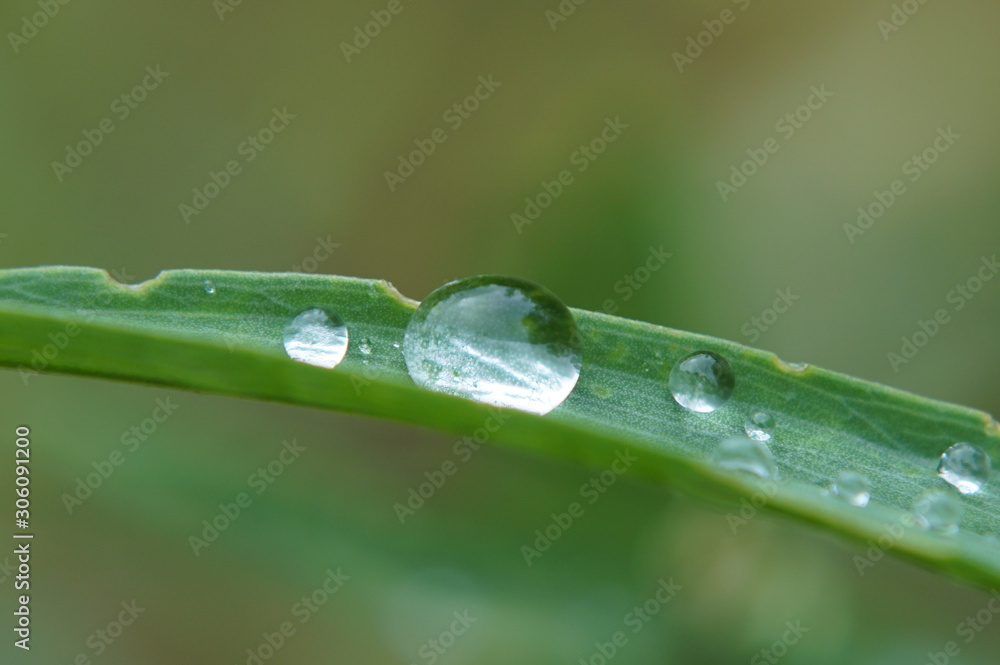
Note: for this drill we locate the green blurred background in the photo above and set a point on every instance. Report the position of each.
(322, 181)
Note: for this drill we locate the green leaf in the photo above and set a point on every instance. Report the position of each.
(170, 331)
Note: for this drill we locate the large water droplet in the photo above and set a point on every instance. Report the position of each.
(499, 340)
(316, 337)
(702, 382)
(965, 466)
(853, 488)
(760, 426)
(209, 287)
(747, 455)
(938, 511)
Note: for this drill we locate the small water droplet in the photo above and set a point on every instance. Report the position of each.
(853, 488)
(209, 287)
(502, 341)
(760, 426)
(965, 466)
(702, 382)
(316, 337)
(395, 345)
(797, 367)
(743, 454)
(938, 511)
(365, 346)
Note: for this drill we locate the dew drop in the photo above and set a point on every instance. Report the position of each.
(743, 454)
(499, 340)
(965, 466)
(365, 346)
(209, 287)
(938, 511)
(760, 426)
(853, 488)
(702, 382)
(316, 337)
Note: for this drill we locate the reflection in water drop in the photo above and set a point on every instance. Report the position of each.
(853, 488)
(702, 382)
(760, 426)
(316, 337)
(938, 511)
(498, 340)
(965, 466)
(747, 455)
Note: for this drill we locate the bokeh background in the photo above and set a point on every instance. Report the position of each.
(322, 182)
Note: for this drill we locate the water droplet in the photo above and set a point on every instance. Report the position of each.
(853, 488)
(316, 337)
(760, 426)
(743, 454)
(965, 466)
(702, 382)
(365, 346)
(499, 340)
(209, 287)
(938, 511)
(395, 345)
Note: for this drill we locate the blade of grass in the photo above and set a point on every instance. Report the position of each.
(172, 332)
